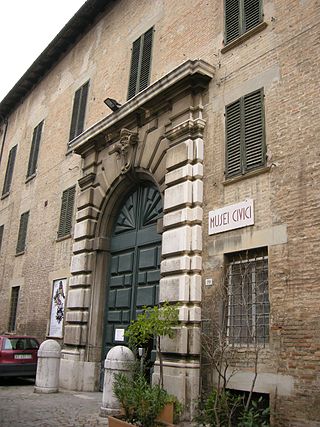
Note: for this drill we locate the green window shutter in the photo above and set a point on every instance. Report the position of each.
(66, 214)
(146, 60)
(34, 152)
(21, 243)
(134, 70)
(9, 171)
(252, 14)
(79, 110)
(254, 130)
(245, 139)
(240, 17)
(13, 308)
(1, 235)
(233, 139)
(232, 20)
(140, 63)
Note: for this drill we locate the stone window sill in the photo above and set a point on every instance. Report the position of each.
(29, 178)
(60, 239)
(260, 171)
(260, 27)
(5, 195)
(20, 253)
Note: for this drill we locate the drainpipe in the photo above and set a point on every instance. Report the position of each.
(5, 121)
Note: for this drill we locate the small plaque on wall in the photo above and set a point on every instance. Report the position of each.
(119, 335)
(57, 308)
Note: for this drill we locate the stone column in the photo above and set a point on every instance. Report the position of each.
(182, 261)
(76, 372)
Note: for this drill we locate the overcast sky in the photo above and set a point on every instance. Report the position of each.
(26, 29)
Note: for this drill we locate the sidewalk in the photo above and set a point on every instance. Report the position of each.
(21, 407)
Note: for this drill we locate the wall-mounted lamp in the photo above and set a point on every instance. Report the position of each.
(112, 104)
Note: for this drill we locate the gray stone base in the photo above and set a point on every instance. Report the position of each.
(78, 375)
(45, 390)
(182, 379)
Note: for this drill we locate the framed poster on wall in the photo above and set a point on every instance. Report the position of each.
(57, 308)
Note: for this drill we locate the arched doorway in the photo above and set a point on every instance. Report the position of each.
(134, 269)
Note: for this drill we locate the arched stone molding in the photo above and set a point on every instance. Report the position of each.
(157, 136)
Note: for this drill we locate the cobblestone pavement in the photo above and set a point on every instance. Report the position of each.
(20, 406)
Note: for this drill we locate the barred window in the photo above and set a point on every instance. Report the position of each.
(13, 308)
(248, 298)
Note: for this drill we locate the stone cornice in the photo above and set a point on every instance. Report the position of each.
(193, 74)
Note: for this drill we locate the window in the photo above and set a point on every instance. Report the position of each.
(1, 235)
(248, 298)
(9, 171)
(33, 158)
(13, 308)
(21, 243)
(140, 63)
(245, 140)
(240, 17)
(79, 110)
(66, 212)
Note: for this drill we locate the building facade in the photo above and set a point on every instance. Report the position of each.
(154, 151)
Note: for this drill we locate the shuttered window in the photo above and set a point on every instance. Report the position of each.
(79, 110)
(34, 152)
(66, 213)
(9, 171)
(13, 308)
(140, 63)
(245, 140)
(1, 235)
(22, 236)
(240, 17)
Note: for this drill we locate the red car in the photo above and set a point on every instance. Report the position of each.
(18, 356)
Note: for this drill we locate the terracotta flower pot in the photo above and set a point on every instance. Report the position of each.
(118, 422)
(166, 414)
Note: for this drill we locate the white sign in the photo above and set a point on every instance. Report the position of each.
(231, 217)
(57, 308)
(119, 335)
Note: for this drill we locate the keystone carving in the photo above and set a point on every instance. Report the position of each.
(126, 149)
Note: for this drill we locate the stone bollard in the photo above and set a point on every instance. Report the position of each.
(118, 359)
(47, 378)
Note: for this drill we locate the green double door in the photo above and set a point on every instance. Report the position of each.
(134, 271)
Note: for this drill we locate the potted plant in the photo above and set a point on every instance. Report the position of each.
(143, 404)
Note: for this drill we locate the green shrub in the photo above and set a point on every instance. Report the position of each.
(228, 409)
(141, 402)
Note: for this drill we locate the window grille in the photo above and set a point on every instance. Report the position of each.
(248, 300)
(13, 308)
